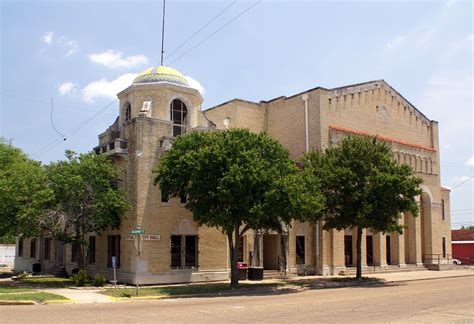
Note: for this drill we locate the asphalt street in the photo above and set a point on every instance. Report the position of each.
(428, 301)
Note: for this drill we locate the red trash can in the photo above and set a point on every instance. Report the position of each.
(242, 268)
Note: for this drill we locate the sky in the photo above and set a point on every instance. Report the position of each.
(81, 53)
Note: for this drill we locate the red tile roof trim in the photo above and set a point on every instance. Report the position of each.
(383, 138)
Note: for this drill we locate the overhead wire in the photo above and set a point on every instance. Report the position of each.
(72, 131)
(462, 182)
(200, 29)
(52, 122)
(216, 31)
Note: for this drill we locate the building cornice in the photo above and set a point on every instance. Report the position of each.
(382, 138)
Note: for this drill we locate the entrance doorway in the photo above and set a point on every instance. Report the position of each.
(348, 250)
(370, 250)
(388, 246)
(271, 248)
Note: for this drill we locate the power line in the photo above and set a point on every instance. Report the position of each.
(462, 182)
(216, 31)
(71, 132)
(458, 210)
(200, 29)
(52, 123)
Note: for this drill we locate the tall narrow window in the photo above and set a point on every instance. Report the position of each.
(113, 249)
(191, 251)
(74, 248)
(184, 251)
(128, 111)
(164, 198)
(444, 247)
(175, 251)
(178, 113)
(91, 249)
(20, 247)
(300, 256)
(442, 210)
(33, 248)
(47, 248)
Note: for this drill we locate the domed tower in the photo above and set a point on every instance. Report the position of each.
(162, 93)
(157, 107)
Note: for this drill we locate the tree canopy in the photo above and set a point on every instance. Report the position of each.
(236, 180)
(364, 187)
(87, 198)
(24, 192)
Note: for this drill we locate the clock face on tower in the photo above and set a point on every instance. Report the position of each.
(383, 116)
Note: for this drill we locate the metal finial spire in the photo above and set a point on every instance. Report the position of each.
(163, 33)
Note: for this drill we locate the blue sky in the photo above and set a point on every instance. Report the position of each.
(81, 53)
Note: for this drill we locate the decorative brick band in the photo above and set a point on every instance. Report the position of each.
(383, 138)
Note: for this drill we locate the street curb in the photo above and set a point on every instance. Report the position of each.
(222, 294)
(136, 298)
(56, 301)
(424, 279)
(16, 302)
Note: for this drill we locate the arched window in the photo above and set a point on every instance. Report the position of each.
(128, 111)
(178, 113)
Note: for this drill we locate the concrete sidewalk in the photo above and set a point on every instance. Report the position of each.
(91, 296)
(80, 296)
(421, 275)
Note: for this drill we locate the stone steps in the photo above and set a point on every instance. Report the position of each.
(275, 274)
(390, 269)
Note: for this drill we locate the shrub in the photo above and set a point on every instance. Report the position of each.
(81, 278)
(98, 280)
(24, 274)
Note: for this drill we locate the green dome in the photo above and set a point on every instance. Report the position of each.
(161, 74)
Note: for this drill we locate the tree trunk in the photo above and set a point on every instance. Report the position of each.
(359, 253)
(234, 278)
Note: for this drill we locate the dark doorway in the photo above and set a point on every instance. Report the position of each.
(370, 250)
(348, 250)
(270, 251)
(388, 246)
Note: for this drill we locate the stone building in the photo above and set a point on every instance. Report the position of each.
(161, 105)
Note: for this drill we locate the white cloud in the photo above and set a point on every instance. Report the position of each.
(470, 162)
(107, 89)
(66, 88)
(396, 41)
(115, 59)
(417, 38)
(195, 84)
(450, 3)
(72, 47)
(48, 38)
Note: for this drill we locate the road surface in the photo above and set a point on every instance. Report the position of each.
(429, 301)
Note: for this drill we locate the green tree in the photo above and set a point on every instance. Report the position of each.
(364, 187)
(23, 192)
(87, 199)
(235, 181)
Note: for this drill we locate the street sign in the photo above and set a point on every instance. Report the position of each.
(137, 231)
(114, 262)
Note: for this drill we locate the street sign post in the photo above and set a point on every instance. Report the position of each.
(114, 265)
(137, 232)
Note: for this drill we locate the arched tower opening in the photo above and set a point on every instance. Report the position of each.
(178, 114)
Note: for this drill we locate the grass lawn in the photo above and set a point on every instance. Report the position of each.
(45, 282)
(185, 290)
(38, 297)
(4, 289)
